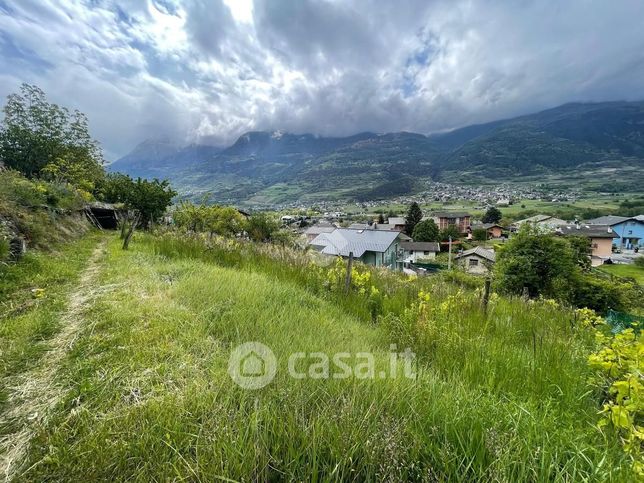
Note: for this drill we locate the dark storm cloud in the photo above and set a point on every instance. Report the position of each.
(198, 69)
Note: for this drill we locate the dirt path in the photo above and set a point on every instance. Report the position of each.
(35, 393)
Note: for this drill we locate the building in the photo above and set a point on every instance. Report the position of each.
(380, 248)
(601, 239)
(477, 260)
(417, 252)
(377, 226)
(542, 221)
(493, 230)
(396, 222)
(629, 230)
(313, 231)
(462, 221)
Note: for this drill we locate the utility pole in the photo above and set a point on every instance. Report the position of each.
(347, 282)
(449, 260)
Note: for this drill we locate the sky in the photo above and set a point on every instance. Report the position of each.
(206, 71)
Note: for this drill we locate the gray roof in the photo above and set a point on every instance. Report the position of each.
(607, 220)
(397, 220)
(420, 246)
(317, 229)
(485, 225)
(541, 219)
(592, 231)
(373, 226)
(480, 252)
(345, 240)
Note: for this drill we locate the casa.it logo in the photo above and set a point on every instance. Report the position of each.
(252, 365)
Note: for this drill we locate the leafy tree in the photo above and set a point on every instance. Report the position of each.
(581, 247)
(381, 218)
(450, 231)
(214, 219)
(144, 201)
(261, 227)
(479, 234)
(414, 216)
(426, 231)
(538, 262)
(39, 138)
(492, 215)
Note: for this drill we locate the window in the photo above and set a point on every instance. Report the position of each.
(473, 262)
(426, 252)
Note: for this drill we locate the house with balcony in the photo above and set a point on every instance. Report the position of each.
(601, 239)
(629, 230)
(461, 221)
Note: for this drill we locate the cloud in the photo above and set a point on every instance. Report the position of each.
(201, 70)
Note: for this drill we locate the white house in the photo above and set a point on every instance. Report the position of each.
(417, 252)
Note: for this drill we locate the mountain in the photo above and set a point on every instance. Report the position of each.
(583, 141)
(162, 158)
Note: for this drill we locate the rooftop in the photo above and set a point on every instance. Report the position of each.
(609, 220)
(592, 231)
(421, 246)
(342, 241)
(479, 251)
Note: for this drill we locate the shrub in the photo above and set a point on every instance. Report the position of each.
(617, 366)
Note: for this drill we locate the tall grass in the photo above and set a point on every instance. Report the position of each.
(501, 397)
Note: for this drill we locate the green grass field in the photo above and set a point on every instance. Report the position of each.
(630, 271)
(144, 393)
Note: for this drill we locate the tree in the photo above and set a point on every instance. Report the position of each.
(39, 138)
(426, 231)
(543, 264)
(582, 249)
(261, 227)
(492, 215)
(479, 234)
(414, 216)
(450, 231)
(144, 201)
(381, 218)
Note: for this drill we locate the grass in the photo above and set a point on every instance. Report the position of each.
(26, 322)
(497, 398)
(628, 271)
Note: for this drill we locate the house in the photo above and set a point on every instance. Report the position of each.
(372, 247)
(460, 220)
(396, 223)
(477, 260)
(376, 226)
(601, 239)
(313, 231)
(547, 222)
(493, 230)
(629, 230)
(417, 252)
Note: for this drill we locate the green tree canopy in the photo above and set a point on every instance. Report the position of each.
(149, 199)
(450, 231)
(414, 216)
(492, 215)
(426, 231)
(479, 234)
(261, 227)
(39, 138)
(541, 263)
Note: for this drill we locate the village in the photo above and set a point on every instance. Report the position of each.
(461, 240)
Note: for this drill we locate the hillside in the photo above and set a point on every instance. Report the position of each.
(132, 375)
(263, 167)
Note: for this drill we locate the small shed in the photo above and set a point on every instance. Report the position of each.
(102, 215)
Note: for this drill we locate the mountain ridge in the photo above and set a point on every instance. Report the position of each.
(263, 166)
